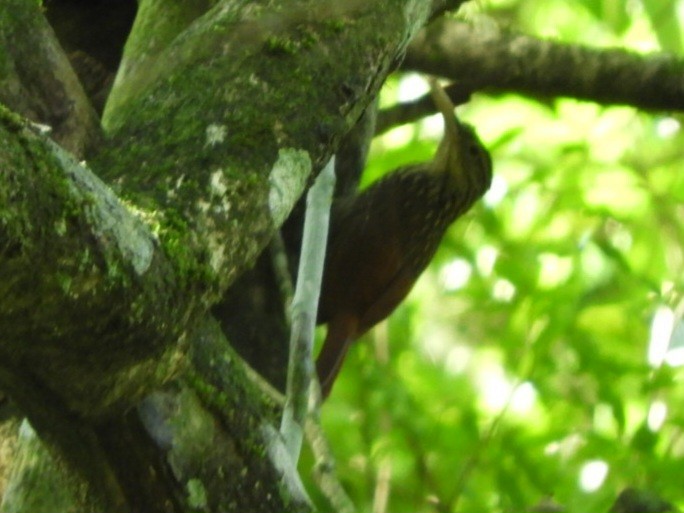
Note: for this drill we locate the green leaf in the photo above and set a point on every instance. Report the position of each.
(665, 22)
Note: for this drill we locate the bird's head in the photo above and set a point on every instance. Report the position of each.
(460, 155)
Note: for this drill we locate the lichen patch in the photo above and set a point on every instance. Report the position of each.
(287, 180)
(215, 134)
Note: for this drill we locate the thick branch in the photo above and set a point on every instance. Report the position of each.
(37, 81)
(211, 150)
(216, 168)
(86, 294)
(495, 61)
(243, 443)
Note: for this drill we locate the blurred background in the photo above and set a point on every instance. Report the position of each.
(536, 366)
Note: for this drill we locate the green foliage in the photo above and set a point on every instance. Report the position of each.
(523, 370)
(663, 15)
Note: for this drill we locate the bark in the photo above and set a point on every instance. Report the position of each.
(219, 116)
(488, 59)
(253, 311)
(38, 82)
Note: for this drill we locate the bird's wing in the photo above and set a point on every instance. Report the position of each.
(394, 292)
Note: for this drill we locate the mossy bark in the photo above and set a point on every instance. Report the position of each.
(220, 115)
(37, 80)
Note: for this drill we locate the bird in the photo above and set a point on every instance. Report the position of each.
(383, 238)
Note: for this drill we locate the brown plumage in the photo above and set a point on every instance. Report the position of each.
(382, 239)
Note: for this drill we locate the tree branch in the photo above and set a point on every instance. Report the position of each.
(490, 60)
(86, 292)
(38, 81)
(194, 161)
(305, 308)
(324, 467)
(409, 112)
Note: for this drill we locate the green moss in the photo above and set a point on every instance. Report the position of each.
(309, 36)
(281, 46)
(28, 159)
(305, 37)
(337, 25)
(197, 494)
(210, 395)
(11, 120)
(173, 235)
